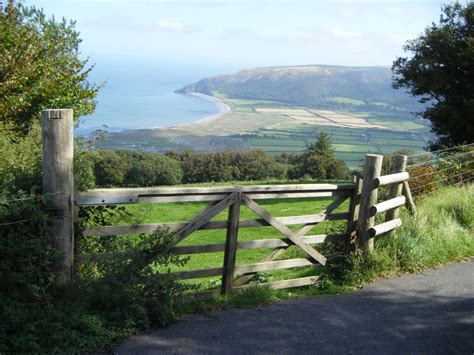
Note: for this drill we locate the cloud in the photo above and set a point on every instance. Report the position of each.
(135, 24)
(168, 26)
(171, 25)
(339, 32)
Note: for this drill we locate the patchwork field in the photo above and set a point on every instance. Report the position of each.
(276, 129)
(320, 117)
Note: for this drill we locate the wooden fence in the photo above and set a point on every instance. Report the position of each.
(360, 228)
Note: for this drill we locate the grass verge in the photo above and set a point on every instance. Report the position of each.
(441, 231)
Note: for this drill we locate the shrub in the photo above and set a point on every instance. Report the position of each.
(108, 301)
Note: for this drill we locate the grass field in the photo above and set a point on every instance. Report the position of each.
(276, 129)
(182, 212)
(350, 143)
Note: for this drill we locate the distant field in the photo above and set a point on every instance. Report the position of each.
(351, 144)
(346, 100)
(276, 129)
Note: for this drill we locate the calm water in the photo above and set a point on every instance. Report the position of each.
(142, 96)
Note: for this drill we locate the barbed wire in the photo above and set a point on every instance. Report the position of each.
(6, 202)
(446, 179)
(16, 222)
(448, 158)
(438, 171)
(465, 181)
(442, 150)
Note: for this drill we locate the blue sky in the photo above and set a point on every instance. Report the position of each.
(231, 35)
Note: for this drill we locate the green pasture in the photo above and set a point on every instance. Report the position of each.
(346, 100)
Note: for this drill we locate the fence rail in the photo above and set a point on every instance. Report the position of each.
(100, 197)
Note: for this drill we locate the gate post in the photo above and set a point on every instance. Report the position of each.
(372, 170)
(395, 190)
(58, 184)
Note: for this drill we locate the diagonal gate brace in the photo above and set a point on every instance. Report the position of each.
(204, 216)
(283, 229)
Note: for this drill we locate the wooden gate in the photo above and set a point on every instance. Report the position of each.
(236, 277)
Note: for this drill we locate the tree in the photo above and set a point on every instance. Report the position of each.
(319, 162)
(322, 145)
(40, 67)
(440, 72)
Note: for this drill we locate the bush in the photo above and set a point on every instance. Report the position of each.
(108, 301)
(20, 165)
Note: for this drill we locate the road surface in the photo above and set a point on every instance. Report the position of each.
(431, 312)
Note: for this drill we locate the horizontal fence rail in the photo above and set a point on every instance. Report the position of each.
(98, 197)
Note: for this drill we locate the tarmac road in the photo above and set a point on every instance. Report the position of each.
(431, 312)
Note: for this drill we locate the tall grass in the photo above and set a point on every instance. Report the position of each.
(441, 231)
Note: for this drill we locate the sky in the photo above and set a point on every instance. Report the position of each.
(232, 35)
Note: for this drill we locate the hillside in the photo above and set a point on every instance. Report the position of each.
(322, 86)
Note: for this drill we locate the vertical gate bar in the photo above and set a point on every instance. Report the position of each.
(353, 215)
(395, 190)
(372, 170)
(231, 244)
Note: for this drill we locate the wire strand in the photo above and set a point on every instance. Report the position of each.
(456, 183)
(442, 150)
(6, 202)
(440, 180)
(448, 158)
(16, 222)
(438, 171)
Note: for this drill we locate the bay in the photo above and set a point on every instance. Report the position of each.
(141, 96)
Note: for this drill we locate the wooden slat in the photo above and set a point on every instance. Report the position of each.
(387, 205)
(203, 217)
(302, 281)
(212, 248)
(280, 243)
(273, 265)
(180, 198)
(175, 226)
(407, 193)
(284, 230)
(390, 179)
(256, 244)
(231, 245)
(282, 195)
(384, 227)
(168, 194)
(196, 274)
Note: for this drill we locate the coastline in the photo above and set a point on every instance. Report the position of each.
(223, 108)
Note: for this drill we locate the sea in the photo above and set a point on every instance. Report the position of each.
(141, 96)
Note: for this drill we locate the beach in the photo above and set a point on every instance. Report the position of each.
(223, 107)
